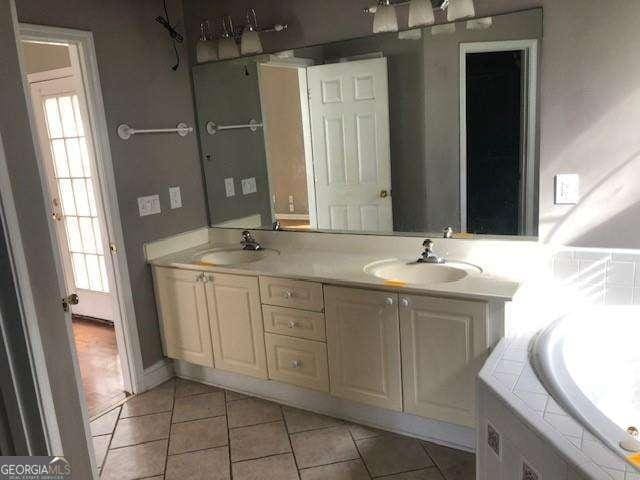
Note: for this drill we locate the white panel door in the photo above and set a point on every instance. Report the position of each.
(349, 110)
(444, 345)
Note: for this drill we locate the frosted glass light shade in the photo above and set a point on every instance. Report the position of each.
(206, 51)
(250, 43)
(458, 9)
(385, 18)
(228, 48)
(420, 13)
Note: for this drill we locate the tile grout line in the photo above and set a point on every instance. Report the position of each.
(286, 429)
(226, 414)
(435, 464)
(173, 406)
(355, 442)
(113, 432)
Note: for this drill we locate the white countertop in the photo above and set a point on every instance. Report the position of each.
(343, 269)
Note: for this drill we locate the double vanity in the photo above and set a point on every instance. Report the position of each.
(382, 331)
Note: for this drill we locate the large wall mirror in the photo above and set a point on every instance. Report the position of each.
(403, 132)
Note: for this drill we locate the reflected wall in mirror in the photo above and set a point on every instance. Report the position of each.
(401, 132)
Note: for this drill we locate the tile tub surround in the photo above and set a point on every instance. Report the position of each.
(254, 439)
(340, 259)
(575, 277)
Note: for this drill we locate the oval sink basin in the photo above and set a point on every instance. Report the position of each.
(233, 256)
(400, 271)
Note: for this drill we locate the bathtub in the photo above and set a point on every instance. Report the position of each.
(590, 363)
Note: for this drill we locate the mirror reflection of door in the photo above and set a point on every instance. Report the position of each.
(349, 110)
(498, 132)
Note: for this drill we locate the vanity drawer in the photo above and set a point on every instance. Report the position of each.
(291, 293)
(297, 361)
(293, 322)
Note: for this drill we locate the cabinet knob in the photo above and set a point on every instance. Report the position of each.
(288, 294)
(296, 364)
(293, 324)
(388, 301)
(201, 278)
(404, 302)
(209, 278)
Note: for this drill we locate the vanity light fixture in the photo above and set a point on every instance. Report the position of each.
(421, 13)
(385, 18)
(458, 9)
(227, 46)
(250, 43)
(206, 49)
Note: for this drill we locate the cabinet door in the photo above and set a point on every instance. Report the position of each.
(363, 341)
(182, 308)
(236, 324)
(444, 344)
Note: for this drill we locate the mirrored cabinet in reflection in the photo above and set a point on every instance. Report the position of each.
(401, 132)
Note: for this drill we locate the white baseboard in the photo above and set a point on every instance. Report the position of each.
(158, 373)
(434, 431)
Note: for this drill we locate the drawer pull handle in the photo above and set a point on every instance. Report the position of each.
(292, 324)
(288, 294)
(201, 278)
(388, 301)
(405, 302)
(296, 364)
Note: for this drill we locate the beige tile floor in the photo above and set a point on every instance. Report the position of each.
(190, 431)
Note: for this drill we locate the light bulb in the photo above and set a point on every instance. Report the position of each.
(385, 19)
(420, 13)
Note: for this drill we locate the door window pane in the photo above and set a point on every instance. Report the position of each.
(80, 270)
(67, 116)
(76, 111)
(66, 196)
(74, 157)
(53, 119)
(93, 270)
(82, 199)
(73, 234)
(60, 158)
(86, 231)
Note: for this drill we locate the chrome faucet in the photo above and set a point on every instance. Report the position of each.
(249, 242)
(447, 232)
(428, 256)
(276, 226)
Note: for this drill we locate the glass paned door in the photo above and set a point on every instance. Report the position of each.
(68, 157)
(76, 198)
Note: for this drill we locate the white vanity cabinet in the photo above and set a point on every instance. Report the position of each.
(444, 345)
(363, 340)
(212, 319)
(182, 308)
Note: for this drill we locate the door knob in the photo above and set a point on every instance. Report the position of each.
(56, 216)
(384, 193)
(72, 299)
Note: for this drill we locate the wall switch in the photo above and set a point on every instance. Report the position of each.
(249, 185)
(567, 191)
(175, 197)
(149, 205)
(229, 187)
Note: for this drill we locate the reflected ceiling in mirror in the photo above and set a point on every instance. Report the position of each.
(405, 132)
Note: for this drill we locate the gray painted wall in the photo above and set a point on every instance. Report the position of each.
(139, 88)
(590, 105)
(34, 230)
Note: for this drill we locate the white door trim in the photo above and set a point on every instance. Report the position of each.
(86, 63)
(50, 74)
(530, 47)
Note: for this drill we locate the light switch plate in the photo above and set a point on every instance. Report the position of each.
(249, 185)
(149, 205)
(229, 187)
(175, 197)
(567, 189)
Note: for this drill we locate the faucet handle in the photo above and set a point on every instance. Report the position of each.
(428, 245)
(447, 232)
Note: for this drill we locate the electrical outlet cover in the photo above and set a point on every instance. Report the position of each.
(567, 191)
(249, 185)
(149, 205)
(175, 197)
(229, 187)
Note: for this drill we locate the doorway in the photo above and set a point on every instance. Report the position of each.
(497, 137)
(67, 117)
